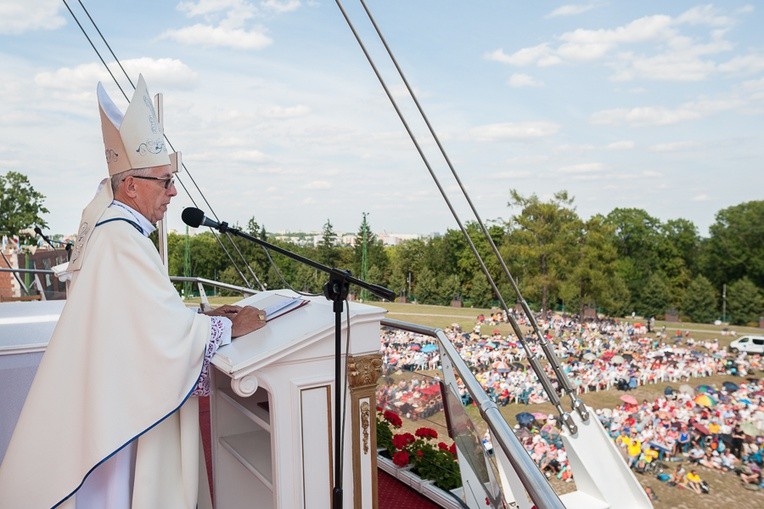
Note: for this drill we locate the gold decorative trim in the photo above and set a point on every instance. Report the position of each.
(365, 420)
(364, 370)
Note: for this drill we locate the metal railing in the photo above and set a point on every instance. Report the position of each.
(533, 480)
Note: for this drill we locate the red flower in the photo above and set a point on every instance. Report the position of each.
(401, 458)
(419, 453)
(426, 433)
(393, 418)
(452, 449)
(442, 446)
(401, 440)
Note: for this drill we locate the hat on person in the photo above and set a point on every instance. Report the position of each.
(134, 139)
(131, 141)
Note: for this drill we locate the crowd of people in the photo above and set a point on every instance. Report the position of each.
(704, 427)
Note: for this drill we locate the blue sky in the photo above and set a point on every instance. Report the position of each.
(652, 104)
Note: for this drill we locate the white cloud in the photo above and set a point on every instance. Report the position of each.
(20, 16)
(519, 80)
(620, 145)
(513, 174)
(248, 156)
(655, 47)
(570, 10)
(514, 131)
(707, 15)
(218, 36)
(208, 8)
(674, 146)
(318, 184)
(281, 5)
(542, 55)
(160, 74)
(644, 116)
(701, 197)
(298, 110)
(583, 168)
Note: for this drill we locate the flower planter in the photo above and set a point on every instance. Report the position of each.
(423, 486)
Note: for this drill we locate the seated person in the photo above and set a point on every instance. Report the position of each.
(678, 476)
(696, 454)
(693, 481)
(751, 474)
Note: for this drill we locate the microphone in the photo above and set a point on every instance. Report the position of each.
(194, 218)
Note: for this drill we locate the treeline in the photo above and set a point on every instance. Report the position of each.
(624, 262)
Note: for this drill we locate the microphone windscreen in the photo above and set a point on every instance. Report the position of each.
(193, 217)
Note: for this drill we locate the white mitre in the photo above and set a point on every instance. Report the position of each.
(135, 139)
(131, 141)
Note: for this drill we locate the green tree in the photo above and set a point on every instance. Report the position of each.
(655, 296)
(589, 282)
(745, 303)
(21, 206)
(701, 301)
(479, 292)
(426, 288)
(735, 248)
(541, 238)
(638, 239)
(406, 260)
(328, 252)
(376, 256)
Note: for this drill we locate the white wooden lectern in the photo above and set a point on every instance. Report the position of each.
(271, 410)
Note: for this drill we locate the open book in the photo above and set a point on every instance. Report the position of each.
(277, 305)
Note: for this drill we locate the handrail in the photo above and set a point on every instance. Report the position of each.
(216, 284)
(28, 271)
(174, 279)
(534, 482)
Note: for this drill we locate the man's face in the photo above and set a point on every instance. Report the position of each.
(152, 198)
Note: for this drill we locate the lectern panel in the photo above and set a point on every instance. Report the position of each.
(316, 447)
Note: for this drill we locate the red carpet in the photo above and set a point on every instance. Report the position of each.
(391, 494)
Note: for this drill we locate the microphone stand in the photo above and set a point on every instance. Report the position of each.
(335, 290)
(67, 245)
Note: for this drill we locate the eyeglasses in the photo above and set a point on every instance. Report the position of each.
(168, 182)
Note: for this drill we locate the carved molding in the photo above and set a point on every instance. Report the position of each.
(246, 386)
(365, 422)
(364, 370)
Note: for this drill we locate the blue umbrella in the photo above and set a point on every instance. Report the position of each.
(429, 347)
(730, 386)
(525, 418)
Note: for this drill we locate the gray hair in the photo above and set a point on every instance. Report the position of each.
(116, 180)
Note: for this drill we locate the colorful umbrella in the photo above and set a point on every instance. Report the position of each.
(705, 400)
(631, 400)
(705, 388)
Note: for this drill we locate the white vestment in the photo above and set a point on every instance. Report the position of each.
(124, 358)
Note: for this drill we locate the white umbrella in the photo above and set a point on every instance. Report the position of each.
(617, 359)
(686, 389)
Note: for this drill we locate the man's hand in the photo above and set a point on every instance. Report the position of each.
(227, 310)
(246, 320)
